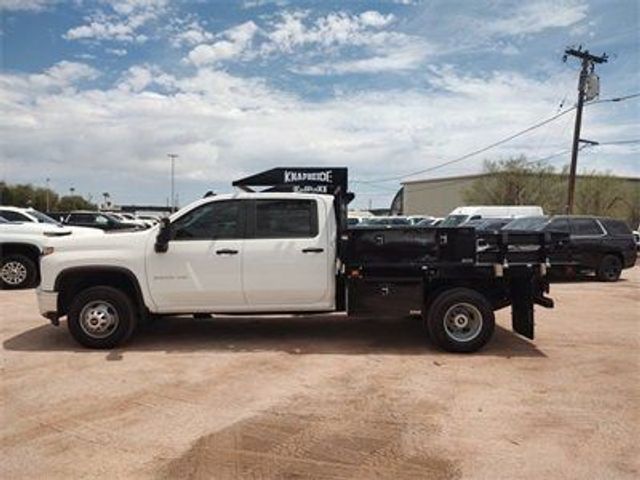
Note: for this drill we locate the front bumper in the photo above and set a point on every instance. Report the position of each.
(48, 304)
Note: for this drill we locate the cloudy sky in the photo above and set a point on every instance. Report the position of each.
(94, 94)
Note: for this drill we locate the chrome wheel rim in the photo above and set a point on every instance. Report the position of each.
(99, 319)
(463, 322)
(13, 273)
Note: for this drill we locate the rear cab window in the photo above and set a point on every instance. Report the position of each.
(285, 218)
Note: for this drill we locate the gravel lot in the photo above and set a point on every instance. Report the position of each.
(327, 397)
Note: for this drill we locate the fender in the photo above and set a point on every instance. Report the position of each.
(93, 271)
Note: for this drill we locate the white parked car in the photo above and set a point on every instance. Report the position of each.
(19, 214)
(461, 215)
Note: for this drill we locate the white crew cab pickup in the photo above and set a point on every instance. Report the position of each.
(282, 252)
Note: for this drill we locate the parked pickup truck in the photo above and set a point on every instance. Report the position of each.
(289, 251)
(22, 244)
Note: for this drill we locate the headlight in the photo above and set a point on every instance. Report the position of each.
(47, 251)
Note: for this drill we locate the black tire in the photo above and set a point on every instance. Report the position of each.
(458, 304)
(114, 302)
(28, 274)
(609, 269)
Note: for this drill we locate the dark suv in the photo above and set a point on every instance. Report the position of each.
(100, 220)
(596, 244)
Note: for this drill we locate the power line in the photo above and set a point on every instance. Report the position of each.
(498, 143)
(620, 142)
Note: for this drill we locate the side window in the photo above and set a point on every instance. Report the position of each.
(216, 220)
(286, 219)
(80, 217)
(558, 225)
(14, 216)
(585, 227)
(99, 219)
(616, 227)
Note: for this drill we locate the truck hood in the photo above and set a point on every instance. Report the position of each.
(47, 229)
(103, 241)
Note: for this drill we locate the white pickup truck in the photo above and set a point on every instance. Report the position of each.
(22, 243)
(285, 252)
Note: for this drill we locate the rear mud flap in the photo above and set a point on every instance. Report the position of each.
(522, 299)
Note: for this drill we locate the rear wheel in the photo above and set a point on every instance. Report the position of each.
(17, 271)
(609, 269)
(460, 320)
(101, 317)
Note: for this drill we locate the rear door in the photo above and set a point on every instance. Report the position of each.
(563, 256)
(288, 255)
(586, 241)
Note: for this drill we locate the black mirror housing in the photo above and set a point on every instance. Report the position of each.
(164, 235)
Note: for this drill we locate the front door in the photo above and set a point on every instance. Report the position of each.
(288, 257)
(201, 270)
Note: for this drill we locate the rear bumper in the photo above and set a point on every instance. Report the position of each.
(48, 304)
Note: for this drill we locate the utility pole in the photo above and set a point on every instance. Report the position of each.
(173, 157)
(588, 62)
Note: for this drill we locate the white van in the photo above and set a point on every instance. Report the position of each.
(462, 215)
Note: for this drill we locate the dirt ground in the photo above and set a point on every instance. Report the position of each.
(327, 397)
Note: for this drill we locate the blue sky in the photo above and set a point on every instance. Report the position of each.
(94, 94)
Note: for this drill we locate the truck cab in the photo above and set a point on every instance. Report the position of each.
(271, 252)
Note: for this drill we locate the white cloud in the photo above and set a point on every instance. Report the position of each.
(33, 5)
(391, 58)
(118, 52)
(236, 41)
(191, 34)
(334, 29)
(295, 33)
(123, 23)
(225, 127)
(536, 16)
(136, 79)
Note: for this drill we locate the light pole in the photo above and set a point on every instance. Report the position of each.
(47, 181)
(71, 191)
(173, 157)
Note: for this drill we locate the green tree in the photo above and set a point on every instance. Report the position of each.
(74, 202)
(26, 195)
(516, 181)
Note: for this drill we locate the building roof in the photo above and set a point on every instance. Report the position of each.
(480, 175)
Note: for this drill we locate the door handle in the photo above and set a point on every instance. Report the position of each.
(312, 250)
(226, 251)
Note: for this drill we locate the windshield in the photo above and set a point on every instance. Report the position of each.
(42, 218)
(453, 220)
(527, 223)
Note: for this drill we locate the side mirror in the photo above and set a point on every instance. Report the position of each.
(164, 235)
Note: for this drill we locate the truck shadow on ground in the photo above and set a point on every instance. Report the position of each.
(320, 334)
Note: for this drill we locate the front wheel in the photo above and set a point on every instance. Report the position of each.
(460, 320)
(610, 269)
(18, 271)
(101, 317)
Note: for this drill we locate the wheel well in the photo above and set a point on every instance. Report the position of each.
(70, 283)
(25, 249)
(494, 290)
(615, 254)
